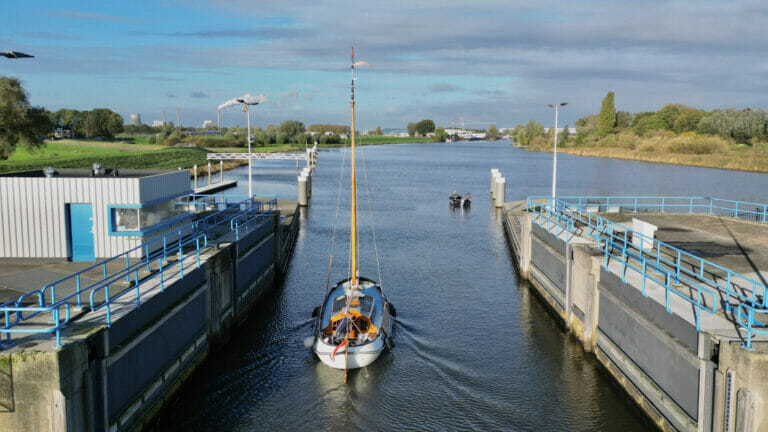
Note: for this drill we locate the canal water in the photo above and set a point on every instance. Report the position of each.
(474, 348)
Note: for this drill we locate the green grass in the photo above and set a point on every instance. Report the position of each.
(126, 145)
(70, 156)
(56, 150)
(112, 154)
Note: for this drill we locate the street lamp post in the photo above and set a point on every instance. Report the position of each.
(250, 160)
(246, 100)
(554, 154)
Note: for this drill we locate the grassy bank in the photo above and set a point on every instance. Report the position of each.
(114, 154)
(666, 147)
(170, 158)
(110, 154)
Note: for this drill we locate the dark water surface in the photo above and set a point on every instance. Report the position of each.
(475, 350)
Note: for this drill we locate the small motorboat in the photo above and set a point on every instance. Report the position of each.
(457, 201)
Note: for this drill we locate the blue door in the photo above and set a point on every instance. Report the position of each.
(81, 232)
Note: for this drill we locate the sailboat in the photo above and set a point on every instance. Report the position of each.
(354, 323)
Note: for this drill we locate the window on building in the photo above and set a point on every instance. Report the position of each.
(125, 219)
(130, 219)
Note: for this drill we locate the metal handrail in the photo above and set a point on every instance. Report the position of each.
(757, 212)
(160, 256)
(155, 251)
(605, 233)
(745, 318)
(245, 218)
(706, 269)
(670, 277)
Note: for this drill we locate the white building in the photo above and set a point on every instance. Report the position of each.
(82, 215)
(158, 123)
(207, 123)
(571, 130)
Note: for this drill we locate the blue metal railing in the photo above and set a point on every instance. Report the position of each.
(745, 318)
(188, 240)
(551, 220)
(247, 218)
(738, 209)
(47, 301)
(705, 277)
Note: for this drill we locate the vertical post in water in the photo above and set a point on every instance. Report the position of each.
(221, 171)
(209, 173)
(194, 172)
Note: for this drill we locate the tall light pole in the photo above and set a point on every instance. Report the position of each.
(246, 100)
(554, 154)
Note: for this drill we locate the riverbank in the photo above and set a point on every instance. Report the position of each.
(686, 149)
(83, 153)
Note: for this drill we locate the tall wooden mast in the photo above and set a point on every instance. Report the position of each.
(353, 235)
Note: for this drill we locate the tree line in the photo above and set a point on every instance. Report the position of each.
(738, 126)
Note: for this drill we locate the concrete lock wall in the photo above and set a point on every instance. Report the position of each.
(660, 359)
(118, 378)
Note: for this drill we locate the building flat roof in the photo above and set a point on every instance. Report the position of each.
(84, 172)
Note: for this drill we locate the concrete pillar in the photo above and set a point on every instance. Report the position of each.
(745, 411)
(303, 197)
(306, 172)
(500, 191)
(221, 171)
(525, 243)
(584, 295)
(494, 174)
(194, 171)
(209, 173)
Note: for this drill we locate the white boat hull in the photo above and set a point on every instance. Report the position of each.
(359, 356)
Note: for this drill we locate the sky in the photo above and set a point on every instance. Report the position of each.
(484, 61)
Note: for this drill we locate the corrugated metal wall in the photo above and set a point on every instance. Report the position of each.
(33, 219)
(153, 188)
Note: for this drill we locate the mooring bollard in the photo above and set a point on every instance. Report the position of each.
(500, 191)
(209, 173)
(221, 171)
(306, 172)
(495, 173)
(195, 175)
(303, 197)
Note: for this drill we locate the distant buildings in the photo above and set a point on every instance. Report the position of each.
(62, 133)
(135, 119)
(158, 123)
(571, 130)
(207, 123)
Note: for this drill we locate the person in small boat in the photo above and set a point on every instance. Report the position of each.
(455, 195)
(466, 196)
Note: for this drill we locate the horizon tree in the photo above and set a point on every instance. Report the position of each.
(607, 119)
